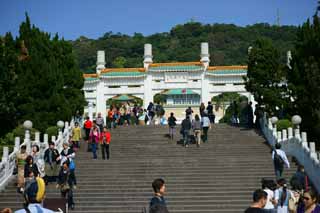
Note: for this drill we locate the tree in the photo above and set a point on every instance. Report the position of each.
(119, 62)
(266, 77)
(47, 81)
(304, 78)
(8, 78)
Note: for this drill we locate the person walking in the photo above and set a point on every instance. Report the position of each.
(100, 121)
(196, 126)
(185, 130)
(202, 108)
(30, 166)
(87, 127)
(34, 194)
(65, 183)
(269, 186)
(259, 201)
(52, 163)
(159, 189)
(280, 159)
(172, 123)
(205, 121)
(94, 138)
(76, 136)
(105, 139)
(20, 163)
(210, 113)
(282, 196)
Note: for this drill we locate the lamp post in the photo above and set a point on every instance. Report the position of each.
(27, 125)
(296, 120)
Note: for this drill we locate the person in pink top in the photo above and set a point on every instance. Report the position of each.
(94, 138)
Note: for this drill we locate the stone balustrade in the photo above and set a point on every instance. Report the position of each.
(295, 144)
(8, 161)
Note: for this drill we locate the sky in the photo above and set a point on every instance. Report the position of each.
(92, 18)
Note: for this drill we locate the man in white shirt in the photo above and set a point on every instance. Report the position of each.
(280, 159)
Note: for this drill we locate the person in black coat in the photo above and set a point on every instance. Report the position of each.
(30, 166)
(52, 163)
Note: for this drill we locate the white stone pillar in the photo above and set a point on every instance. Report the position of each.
(284, 134)
(16, 143)
(37, 139)
(101, 104)
(27, 141)
(290, 133)
(90, 110)
(147, 55)
(53, 138)
(297, 133)
(100, 61)
(279, 137)
(205, 93)
(313, 153)
(205, 54)
(304, 137)
(5, 154)
(147, 96)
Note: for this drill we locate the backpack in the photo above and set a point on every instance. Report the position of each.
(278, 161)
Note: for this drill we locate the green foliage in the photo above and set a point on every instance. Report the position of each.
(304, 77)
(228, 98)
(228, 44)
(52, 131)
(39, 78)
(265, 76)
(283, 124)
(19, 131)
(160, 98)
(119, 62)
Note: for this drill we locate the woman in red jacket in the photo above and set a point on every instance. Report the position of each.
(105, 139)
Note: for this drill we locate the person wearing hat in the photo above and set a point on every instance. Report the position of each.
(34, 194)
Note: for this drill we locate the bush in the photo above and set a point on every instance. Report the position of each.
(19, 131)
(283, 124)
(52, 131)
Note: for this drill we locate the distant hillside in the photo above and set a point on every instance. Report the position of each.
(228, 44)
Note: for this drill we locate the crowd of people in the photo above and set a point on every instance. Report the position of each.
(59, 168)
(34, 173)
(276, 196)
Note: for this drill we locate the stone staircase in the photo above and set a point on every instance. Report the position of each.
(220, 176)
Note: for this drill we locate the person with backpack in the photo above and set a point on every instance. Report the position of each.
(282, 196)
(196, 126)
(280, 159)
(185, 130)
(172, 123)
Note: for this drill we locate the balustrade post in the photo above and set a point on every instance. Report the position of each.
(270, 124)
(279, 137)
(27, 141)
(297, 134)
(53, 139)
(45, 141)
(16, 144)
(313, 153)
(27, 126)
(5, 159)
(284, 134)
(290, 133)
(37, 139)
(5, 154)
(304, 137)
